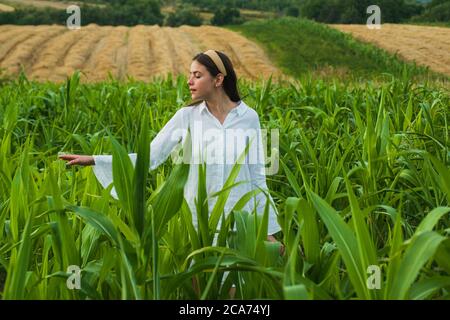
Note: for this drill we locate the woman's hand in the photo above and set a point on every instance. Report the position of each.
(75, 159)
(271, 238)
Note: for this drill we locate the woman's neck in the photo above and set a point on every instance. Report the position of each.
(220, 103)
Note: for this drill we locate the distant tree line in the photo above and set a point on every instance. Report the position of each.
(117, 12)
(339, 11)
(226, 12)
(184, 15)
(355, 11)
(262, 5)
(436, 11)
(122, 12)
(188, 15)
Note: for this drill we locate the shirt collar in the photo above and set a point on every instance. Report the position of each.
(240, 108)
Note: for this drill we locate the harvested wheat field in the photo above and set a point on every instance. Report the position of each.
(142, 52)
(428, 46)
(5, 8)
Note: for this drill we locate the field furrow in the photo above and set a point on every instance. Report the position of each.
(23, 54)
(104, 58)
(9, 32)
(121, 58)
(176, 52)
(192, 44)
(161, 53)
(10, 40)
(153, 60)
(139, 53)
(52, 54)
(80, 52)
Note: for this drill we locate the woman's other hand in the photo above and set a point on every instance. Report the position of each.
(271, 238)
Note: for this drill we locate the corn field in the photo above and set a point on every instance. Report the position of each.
(363, 195)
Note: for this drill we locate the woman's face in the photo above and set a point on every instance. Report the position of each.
(200, 82)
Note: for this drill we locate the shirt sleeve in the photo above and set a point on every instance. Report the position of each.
(161, 146)
(258, 180)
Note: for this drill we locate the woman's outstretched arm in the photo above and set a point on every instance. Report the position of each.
(160, 148)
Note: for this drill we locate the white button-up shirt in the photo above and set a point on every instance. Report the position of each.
(219, 147)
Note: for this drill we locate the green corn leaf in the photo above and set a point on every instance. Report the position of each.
(140, 176)
(295, 292)
(421, 249)
(16, 280)
(442, 255)
(432, 218)
(309, 232)
(98, 221)
(366, 247)
(345, 241)
(426, 288)
(395, 251)
(168, 201)
(123, 178)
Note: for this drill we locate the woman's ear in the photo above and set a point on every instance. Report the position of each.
(219, 80)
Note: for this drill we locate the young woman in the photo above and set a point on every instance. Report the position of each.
(221, 125)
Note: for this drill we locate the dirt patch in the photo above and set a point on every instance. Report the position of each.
(427, 46)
